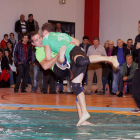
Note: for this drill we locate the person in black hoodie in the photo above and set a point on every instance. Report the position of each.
(22, 57)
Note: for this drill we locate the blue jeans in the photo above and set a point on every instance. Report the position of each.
(117, 80)
(11, 78)
(105, 81)
(36, 70)
(60, 84)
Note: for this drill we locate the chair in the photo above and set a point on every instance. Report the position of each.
(125, 83)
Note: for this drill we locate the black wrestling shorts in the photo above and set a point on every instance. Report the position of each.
(74, 70)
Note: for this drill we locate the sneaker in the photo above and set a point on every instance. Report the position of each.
(33, 91)
(137, 110)
(15, 90)
(54, 92)
(120, 94)
(12, 86)
(61, 92)
(23, 91)
(112, 93)
(95, 91)
(100, 93)
(68, 92)
(88, 93)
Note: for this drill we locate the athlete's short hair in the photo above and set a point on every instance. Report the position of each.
(48, 26)
(33, 33)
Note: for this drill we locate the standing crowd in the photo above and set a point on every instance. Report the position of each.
(20, 68)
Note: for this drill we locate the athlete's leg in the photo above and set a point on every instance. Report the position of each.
(83, 61)
(81, 100)
(80, 111)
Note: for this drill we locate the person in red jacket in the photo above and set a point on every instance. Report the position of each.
(4, 41)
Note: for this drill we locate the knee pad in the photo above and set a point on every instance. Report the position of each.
(76, 88)
(82, 61)
(82, 90)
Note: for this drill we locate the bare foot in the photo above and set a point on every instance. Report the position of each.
(87, 123)
(62, 54)
(83, 119)
(114, 61)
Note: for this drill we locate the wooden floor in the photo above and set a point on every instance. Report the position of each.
(36, 115)
(9, 97)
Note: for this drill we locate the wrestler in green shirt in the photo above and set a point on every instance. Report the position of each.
(56, 40)
(40, 54)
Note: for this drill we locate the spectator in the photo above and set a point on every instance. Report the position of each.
(4, 41)
(48, 78)
(85, 45)
(128, 70)
(33, 24)
(60, 79)
(21, 27)
(3, 62)
(106, 44)
(107, 69)
(130, 45)
(22, 57)
(58, 28)
(121, 53)
(95, 49)
(10, 48)
(12, 39)
(12, 71)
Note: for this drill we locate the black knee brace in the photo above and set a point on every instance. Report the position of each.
(82, 61)
(76, 88)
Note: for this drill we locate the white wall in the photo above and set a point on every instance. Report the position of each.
(43, 10)
(119, 19)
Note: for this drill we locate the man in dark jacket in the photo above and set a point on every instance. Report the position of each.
(121, 53)
(22, 57)
(33, 24)
(21, 27)
(59, 29)
(85, 45)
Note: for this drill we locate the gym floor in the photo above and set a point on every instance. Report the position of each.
(37, 116)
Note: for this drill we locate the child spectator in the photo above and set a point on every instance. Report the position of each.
(4, 41)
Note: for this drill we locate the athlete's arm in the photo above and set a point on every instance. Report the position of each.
(47, 52)
(76, 41)
(47, 64)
